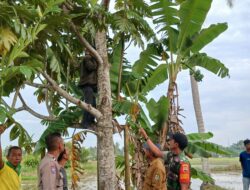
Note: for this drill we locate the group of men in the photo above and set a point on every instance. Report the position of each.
(168, 170)
(51, 172)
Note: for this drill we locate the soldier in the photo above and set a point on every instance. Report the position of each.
(177, 165)
(155, 178)
(10, 171)
(49, 177)
(88, 84)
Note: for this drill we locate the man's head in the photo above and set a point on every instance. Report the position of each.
(247, 144)
(14, 155)
(148, 153)
(177, 141)
(54, 142)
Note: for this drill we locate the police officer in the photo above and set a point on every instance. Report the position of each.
(49, 177)
(155, 178)
(177, 165)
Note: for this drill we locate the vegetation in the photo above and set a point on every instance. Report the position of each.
(42, 45)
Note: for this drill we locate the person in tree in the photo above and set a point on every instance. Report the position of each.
(49, 176)
(155, 178)
(10, 172)
(245, 165)
(62, 160)
(88, 84)
(177, 165)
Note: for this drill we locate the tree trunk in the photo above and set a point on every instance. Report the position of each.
(173, 123)
(199, 117)
(105, 152)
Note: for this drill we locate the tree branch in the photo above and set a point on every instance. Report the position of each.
(15, 97)
(32, 112)
(66, 7)
(36, 85)
(73, 100)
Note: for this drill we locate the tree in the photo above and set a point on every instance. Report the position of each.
(185, 38)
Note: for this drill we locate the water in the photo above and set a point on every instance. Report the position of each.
(227, 180)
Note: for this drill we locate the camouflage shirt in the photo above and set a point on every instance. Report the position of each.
(178, 170)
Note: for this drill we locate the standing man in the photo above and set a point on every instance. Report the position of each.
(155, 178)
(245, 165)
(49, 176)
(177, 165)
(10, 171)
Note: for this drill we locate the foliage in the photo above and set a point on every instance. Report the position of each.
(31, 161)
(85, 155)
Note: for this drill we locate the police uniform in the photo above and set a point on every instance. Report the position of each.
(155, 178)
(50, 177)
(178, 168)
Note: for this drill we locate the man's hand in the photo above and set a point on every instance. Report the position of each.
(143, 133)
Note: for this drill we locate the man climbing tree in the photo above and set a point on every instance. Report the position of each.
(88, 84)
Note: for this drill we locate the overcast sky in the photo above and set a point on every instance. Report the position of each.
(225, 102)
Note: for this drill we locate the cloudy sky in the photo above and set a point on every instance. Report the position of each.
(225, 102)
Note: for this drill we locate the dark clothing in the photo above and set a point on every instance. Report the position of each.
(88, 71)
(65, 181)
(178, 169)
(88, 84)
(245, 163)
(89, 98)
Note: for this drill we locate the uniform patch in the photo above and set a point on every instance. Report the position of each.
(184, 173)
(53, 169)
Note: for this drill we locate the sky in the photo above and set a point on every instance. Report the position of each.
(225, 102)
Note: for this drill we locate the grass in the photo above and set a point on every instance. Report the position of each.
(219, 164)
(29, 175)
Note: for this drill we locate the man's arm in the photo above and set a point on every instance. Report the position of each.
(153, 148)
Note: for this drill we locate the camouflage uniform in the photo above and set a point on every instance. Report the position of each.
(155, 178)
(178, 168)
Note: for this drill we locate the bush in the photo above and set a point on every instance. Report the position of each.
(31, 161)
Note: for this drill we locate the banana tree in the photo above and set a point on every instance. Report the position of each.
(181, 22)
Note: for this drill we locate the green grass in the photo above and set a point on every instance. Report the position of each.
(219, 164)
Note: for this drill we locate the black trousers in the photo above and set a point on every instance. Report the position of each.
(89, 97)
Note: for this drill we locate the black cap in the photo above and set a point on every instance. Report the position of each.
(180, 138)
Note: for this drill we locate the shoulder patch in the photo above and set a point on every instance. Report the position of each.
(184, 173)
(53, 169)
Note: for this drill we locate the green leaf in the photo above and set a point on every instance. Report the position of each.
(159, 75)
(158, 111)
(192, 16)
(199, 136)
(207, 35)
(147, 60)
(27, 71)
(196, 173)
(116, 61)
(208, 63)
(15, 132)
(3, 115)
